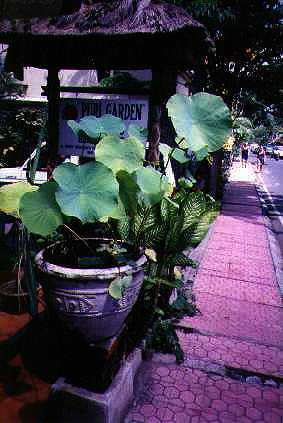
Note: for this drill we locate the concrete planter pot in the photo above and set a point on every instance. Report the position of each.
(79, 298)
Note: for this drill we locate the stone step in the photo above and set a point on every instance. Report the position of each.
(234, 353)
(258, 292)
(244, 320)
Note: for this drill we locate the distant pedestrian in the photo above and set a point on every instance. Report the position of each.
(245, 154)
(260, 158)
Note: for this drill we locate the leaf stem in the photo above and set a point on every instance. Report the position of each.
(79, 238)
(170, 155)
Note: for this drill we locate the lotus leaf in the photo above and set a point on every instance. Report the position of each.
(203, 120)
(10, 196)
(39, 210)
(180, 155)
(136, 131)
(118, 285)
(152, 184)
(88, 192)
(120, 154)
(95, 127)
(201, 153)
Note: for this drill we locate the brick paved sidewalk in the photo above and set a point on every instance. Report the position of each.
(233, 369)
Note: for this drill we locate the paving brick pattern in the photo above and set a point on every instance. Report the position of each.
(179, 394)
(239, 319)
(240, 327)
(233, 353)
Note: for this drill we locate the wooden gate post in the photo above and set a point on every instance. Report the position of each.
(163, 85)
(53, 96)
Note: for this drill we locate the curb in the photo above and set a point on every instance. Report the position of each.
(273, 243)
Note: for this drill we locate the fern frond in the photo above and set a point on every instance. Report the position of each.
(180, 259)
(195, 234)
(193, 206)
(168, 209)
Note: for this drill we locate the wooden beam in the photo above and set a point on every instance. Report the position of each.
(53, 96)
(100, 90)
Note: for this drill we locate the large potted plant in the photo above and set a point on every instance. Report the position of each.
(91, 278)
(90, 285)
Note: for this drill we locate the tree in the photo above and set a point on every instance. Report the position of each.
(248, 62)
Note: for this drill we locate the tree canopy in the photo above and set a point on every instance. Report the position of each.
(247, 70)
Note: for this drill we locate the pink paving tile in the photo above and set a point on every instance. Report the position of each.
(240, 319)
(240, 249)
(249, 199)
(238, 290)
(249, 238)
(243, 208)
(233, 353)
(246, 270)
(261, 257)
(242, 230)
(204, 398)
(235, 225)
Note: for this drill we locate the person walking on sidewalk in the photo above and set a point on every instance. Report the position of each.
(245, 154)
(260, 158)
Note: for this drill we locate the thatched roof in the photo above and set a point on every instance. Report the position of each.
(110, 34)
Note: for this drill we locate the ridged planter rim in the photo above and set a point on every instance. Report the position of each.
(74, 273)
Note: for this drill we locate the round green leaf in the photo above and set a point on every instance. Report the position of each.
(180, 156)
(94, 127)
(120, 154)
(10, 196)
(39, 211)
(88, 192)
(153, 185)
(203, 120)
(118, 285)
(138, 132)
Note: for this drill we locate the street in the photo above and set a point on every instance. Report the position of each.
(271, 180)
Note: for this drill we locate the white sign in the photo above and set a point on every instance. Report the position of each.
(130, 109)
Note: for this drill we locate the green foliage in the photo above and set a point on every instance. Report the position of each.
(182, 307)
(19, 132)
(128, 192)
(88, 192)
(163, 338)
(202, 119)
(136, 131)
(10, 196)
(111, 187)
(248, 60)
(118, 285)
(153, 186)
(260, 134)
(127, 155)
(242, 130)
(123, 80)
(171, 226)
(94, 128)
(10, 87)
(39, 210)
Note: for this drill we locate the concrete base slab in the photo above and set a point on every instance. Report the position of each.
(68, 403)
